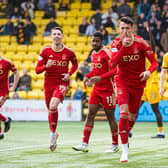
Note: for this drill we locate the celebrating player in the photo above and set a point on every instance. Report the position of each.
(5, 67)
(102, 93)
(54, 60)
(128, 53)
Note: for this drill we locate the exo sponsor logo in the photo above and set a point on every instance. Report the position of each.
(96, 65)
(60, 63)
(129, 58)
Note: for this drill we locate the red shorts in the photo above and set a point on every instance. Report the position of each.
(106, 98)
(3, 97)
(58, 91)
(130, 96)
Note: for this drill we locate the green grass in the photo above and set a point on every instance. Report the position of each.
(26, 146)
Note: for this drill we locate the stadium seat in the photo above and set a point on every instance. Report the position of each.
(47, 39)
(4, 47)
(19, 56)
(22, 48)
(37, 85)
(39, 13)
(85, 5)
(34, 48)
(18, 65)
(22, 94)
(5, 39)
(30, 57)
(75, 5)
(10, 55)
(32, 95)
(12, 48)
(38, 39)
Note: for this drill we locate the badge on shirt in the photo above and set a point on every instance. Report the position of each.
(114, 50)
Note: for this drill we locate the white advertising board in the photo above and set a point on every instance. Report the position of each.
(35, 110)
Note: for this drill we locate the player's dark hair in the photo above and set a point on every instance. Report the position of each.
(127, 20)
(98, 34)
(57, 28)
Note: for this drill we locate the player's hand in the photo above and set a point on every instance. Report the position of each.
(161, 92)
(145, 75)
(11, 89)
(147, 26)
(66, 76)
(95, 79)
(49, 63)
(87, 82)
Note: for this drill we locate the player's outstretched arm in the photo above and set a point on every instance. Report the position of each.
(16, 80)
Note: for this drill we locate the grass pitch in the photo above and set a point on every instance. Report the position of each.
(26, 146)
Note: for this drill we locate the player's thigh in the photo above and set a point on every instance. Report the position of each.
(3, 98)
(48, 95)
(135, 100)
(60, 92)
(123, 95)
(108, 99)
(153, 93)
(110, 113)
(94, 97)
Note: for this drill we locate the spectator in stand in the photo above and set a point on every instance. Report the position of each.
(105, 34)
(165, 20)
(144, 7)
(8, 28)
(140, 24)
(25, 81)
(16, 24)
(5, 9)
(152, 21)
(20, 34)
(158, 33)
(164, 40)
(110, 18)
(95, 4)
(124, 9)
(114, 6)
(91, 28)
(64, 5)
(98, 18)
(49, 26)
(30, 30)
(28, 8)
(49, 10)
(83, 69)
(41, 4)
(83, 26)
(16, 13)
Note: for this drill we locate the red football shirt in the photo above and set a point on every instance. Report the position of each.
(61, 58)
(100, 62)
(5, 67)
(131, 61)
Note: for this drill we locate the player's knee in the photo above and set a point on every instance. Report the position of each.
(53, 106)
(123, 115)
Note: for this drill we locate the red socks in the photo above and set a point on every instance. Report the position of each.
(114, 137)
(53, 119)
(124, 129)
(86, 133)
(2, 117)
